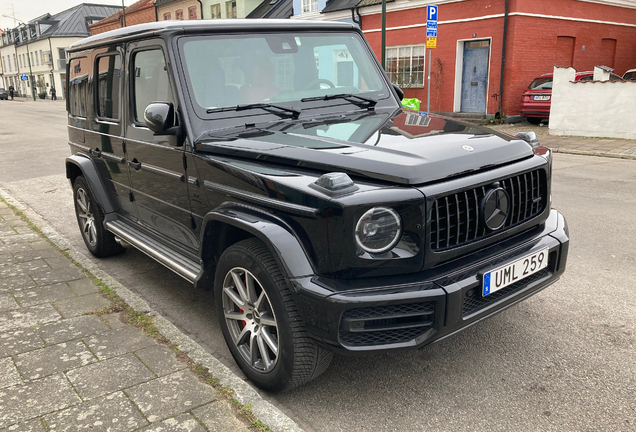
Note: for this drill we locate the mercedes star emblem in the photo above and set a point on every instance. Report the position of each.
(495, 208)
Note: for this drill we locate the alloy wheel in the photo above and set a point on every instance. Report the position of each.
(86, 217)
(250, 319)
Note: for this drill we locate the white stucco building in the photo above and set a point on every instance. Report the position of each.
(37, 48)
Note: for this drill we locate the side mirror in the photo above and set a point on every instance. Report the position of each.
(530, 138)
(159, 117)
(399, 91)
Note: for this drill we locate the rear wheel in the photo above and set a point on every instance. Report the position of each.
(260, 320)
(90, 218)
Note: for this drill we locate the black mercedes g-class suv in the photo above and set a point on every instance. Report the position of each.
(272, 162)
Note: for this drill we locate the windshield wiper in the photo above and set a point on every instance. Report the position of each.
(370, 101)
(295, 112)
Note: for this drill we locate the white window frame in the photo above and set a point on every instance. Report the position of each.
(394, 77)
(309, 6)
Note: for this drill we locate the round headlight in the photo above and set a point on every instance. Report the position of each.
(378, 230)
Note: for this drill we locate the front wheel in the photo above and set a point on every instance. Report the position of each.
(260, 320)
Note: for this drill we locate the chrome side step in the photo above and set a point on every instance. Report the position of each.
(181, 265)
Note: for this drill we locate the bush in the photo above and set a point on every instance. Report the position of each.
(42, 95)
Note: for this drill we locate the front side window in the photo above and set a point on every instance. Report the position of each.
(216, 11)
(230, 9)
(150, 81)
(179, 14)
(192, 13)
(108, 83)
(405, 65)
(78, 82)
(309, 6)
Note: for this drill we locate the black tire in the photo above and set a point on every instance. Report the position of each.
(299, 358)
(99, 241)
(535, 120)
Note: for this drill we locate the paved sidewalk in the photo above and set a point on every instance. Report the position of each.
(63, 368)
(607, 147)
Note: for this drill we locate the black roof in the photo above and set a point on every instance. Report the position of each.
(273, 9)
(73, 21)
(208, 26)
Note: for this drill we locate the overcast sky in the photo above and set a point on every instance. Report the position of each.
(26, 10)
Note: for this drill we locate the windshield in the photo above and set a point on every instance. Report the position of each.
(541, 84)
(230, 70)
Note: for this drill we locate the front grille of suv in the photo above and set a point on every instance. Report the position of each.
(382, 325)
(456, 218)
(474, 301)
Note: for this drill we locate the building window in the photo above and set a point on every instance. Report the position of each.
(166, 16)
(309, 5)
(108, 76)
(230, 9)
(192, 12)
(405, 65)
(37, 59)
(215, 11)
(179, 14)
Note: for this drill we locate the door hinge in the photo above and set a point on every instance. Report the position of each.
(193, 224)
(185, 162)
(123, 146)
(130, 196)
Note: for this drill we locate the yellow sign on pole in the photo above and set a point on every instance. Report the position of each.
(431, 42)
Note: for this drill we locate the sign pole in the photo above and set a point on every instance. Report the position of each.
(384, 34)
(428, 85)
(431, 43)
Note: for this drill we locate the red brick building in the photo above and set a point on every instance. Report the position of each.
(466, 66)
(140, 12)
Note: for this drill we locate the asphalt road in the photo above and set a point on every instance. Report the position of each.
(563, 360)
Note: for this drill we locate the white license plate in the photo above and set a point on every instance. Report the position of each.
(541, 97)
(514, 272)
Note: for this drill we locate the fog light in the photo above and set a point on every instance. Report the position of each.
(378, 230)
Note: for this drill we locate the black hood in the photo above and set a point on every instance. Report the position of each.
(402, 147)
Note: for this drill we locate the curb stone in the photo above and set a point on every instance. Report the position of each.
(245, 394)
(593, 153)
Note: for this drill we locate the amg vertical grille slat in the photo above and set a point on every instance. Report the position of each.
(448, 227)
(476, 215)
(519, 199)
(467, 216)
(456, 218)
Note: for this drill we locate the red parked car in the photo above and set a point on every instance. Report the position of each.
(536, 99)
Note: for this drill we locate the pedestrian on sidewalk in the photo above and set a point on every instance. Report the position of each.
(53, 94)
(11, 91)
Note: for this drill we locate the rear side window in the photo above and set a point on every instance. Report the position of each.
(541, 84)
(77, 84)
(150, 81)
(108, 85)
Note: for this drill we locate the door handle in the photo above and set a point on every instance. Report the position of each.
(136, 165)
(97, 152)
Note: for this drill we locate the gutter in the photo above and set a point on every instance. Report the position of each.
(200, 4)
(503, 57)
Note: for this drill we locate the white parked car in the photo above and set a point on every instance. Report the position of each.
(630, 75)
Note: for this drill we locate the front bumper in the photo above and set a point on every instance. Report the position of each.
(413, 311)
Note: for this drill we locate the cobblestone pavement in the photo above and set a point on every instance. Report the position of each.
(64, 369)
(607, 147)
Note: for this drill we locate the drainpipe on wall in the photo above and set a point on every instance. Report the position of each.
(201, 4)
(503, 58)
